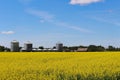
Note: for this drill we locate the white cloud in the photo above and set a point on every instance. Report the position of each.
(46, 17)
(42, 21)
(106, 21)
(110, 11)
(83, 2)
(72, 27)
(7, 32)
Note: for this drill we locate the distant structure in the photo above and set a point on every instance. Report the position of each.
(82, 49)
(15, 46)
(59, 47)
(28, 46)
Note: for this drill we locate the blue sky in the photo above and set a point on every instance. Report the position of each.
(72, 22)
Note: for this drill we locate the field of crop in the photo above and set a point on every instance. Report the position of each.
(60, 66)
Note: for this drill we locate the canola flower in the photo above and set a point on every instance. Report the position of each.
(60, 66)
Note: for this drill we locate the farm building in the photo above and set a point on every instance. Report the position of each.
(15, 46)
(59, 47)
(28, 46)
(82, 49)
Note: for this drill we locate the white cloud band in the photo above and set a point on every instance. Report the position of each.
(7, 32)
(83, 2)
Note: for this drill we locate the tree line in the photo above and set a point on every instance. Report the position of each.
(90, 48)
(93, 48)
(3, 49)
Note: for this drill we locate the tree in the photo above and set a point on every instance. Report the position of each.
(111, 48)
(2, 48)
(41, 47)
(7, 49)
(100, 48)
(54, 47)
(94, 48)
(73, 48)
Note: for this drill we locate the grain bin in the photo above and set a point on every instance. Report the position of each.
(59, 47)
(15, 46)
(28, 46)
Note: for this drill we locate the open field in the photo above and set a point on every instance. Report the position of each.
(60, 66)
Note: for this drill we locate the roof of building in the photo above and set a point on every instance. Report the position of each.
(28, 42)
(15, 41)
(82, 49)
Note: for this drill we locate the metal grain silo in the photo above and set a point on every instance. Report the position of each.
(15, 46)
(28, 46)
(59, 47)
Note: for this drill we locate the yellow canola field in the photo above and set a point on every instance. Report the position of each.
(60, 66)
